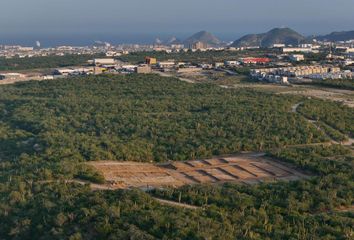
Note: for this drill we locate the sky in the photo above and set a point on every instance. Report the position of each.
(228, 19)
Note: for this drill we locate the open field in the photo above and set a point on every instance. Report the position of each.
(243, 168)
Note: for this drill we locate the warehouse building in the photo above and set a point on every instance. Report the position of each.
(104, 61)
(143, 69)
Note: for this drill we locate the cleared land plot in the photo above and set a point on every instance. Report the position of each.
(243, 168)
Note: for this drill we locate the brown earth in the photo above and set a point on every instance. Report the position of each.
(247, 168)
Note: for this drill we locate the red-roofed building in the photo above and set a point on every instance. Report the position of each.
(255, 60)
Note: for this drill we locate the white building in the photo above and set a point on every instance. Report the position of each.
(113, 54)
(232, 63)
(129, 68)
(297, 57)
(26, 49)
(218, 64)
(348, 62)
(306, 45)
(168, 64)
(305, 50)
(278, 45)
(73, 71)
(104, 61)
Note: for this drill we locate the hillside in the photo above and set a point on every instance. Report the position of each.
(337, 36)
(204, 37)
(277, 35)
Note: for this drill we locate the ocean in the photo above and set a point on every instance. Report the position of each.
(50, 40)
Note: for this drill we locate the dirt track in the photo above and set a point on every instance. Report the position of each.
(349, 142)
(176, 204)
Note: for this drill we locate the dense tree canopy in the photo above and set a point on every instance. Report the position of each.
(146, 118)
(47, 129)
(13, 64)
(335, 83)
(338, 116)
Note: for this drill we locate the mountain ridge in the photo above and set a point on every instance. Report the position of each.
(275, 36)
(204, 37)
(337, 36)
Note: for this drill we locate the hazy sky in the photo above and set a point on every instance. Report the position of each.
(223, 17)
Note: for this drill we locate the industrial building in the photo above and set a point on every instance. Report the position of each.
(150, 61)
(143, 69)
(104, 61)
(74, 71)
(198, 45)
(167, 64)
(304, 50)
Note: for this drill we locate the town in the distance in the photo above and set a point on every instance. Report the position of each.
(281, 56)
(193, 138)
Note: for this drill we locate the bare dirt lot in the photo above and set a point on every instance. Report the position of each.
(242, 168)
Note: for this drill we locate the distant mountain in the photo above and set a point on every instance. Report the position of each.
(337, 36)
(204, 37)
(275, 36)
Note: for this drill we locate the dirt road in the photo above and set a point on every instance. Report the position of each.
(176, 204)
(349, 142)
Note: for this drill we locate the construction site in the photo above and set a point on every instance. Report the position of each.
(242, 168)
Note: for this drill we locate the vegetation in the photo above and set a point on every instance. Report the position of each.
(144, 118)
(314, 57)
(47, 129)
(337, 116)
(335, 83)
(297, 210)
(43, 62)
(332, 133)
(242, 70)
